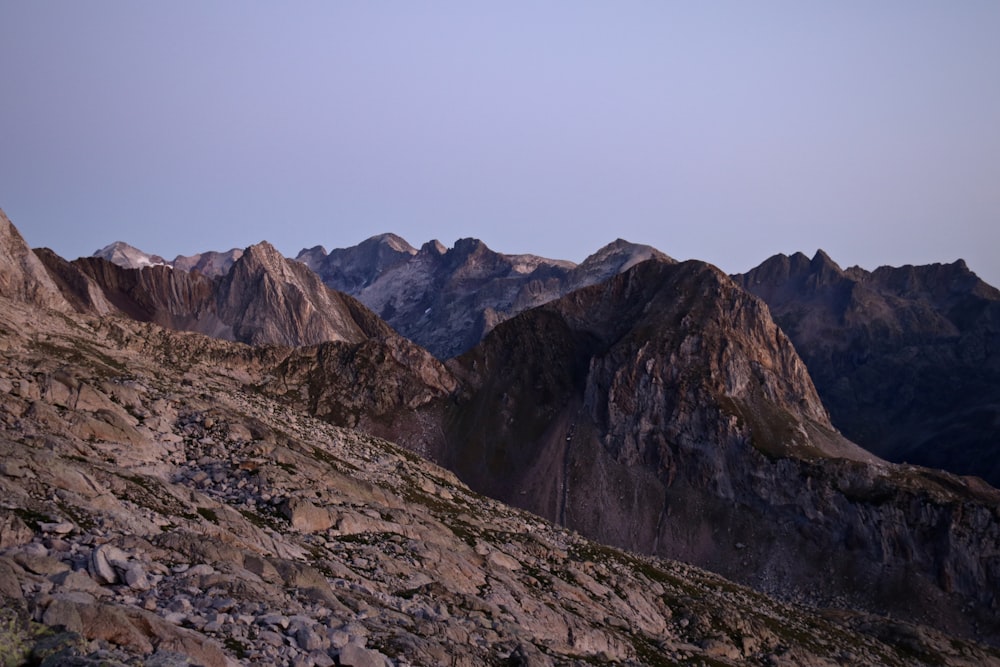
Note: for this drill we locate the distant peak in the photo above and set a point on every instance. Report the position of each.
(262, 249)
(629, 253)
(128, 256)
(822, 260)
(392, 241)
(434, 247)
(315, 250)
(470, 246)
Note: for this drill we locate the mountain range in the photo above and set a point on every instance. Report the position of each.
(651, 405)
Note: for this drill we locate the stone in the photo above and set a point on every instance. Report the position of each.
(261, 567)
(500, 559)
(306, 517)
(10, 588)
(43, 565)
(272, 638)
(135, 577)
(103, 562)
(310, 640)
(63, 612)
(200, 570)
(60, 528)
(354, 655)
(13, 531)
(13, 469)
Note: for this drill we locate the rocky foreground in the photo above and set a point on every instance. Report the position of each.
(159, 512)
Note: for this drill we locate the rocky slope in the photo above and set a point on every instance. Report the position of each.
(157, 508)
(906, 359)
(447, 299)
(663, 411)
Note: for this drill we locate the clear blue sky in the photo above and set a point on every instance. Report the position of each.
(724, 131)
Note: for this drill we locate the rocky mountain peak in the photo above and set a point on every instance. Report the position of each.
(128, 256)
(392, 242)
(312, 257)
(271, 299)
(621, 255)
(210, 263)
(351, 269)
(265, 256)
(433, 247)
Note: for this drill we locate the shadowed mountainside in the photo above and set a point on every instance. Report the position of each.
(906, 359)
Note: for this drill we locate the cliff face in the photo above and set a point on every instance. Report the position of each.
(269, 299)
(906, 359)
(664, 411)
(159, 294)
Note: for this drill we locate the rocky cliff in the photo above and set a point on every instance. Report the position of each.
(906, 359)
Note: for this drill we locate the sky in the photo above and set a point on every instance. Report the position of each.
(721, 131)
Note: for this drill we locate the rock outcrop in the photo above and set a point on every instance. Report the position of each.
(906, 359)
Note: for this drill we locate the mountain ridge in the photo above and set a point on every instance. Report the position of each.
(661, 409)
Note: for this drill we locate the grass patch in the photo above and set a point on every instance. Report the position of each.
(208, 514)
(31, 517)
(236, 647)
